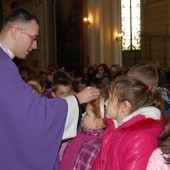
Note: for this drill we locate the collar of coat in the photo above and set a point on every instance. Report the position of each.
(148, 112)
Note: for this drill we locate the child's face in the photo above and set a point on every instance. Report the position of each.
(88, 118)
(62, 91)
(101, 71)
(117, 110)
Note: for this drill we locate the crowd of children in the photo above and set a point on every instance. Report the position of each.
(127, 127)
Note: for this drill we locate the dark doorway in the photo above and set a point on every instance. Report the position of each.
(69, 26)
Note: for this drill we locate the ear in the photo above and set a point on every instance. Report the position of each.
(99, 122)
(126, 107)
(53, 94)
(14, 32)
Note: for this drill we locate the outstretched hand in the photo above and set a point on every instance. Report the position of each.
(88, 94)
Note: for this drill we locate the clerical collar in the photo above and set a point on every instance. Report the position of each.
(7, 51)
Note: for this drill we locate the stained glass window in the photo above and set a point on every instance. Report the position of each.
(130, 24)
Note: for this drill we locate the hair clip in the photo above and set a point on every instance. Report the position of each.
(149, 88)
(102, 107)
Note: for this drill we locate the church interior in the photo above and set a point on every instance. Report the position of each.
(77, 33)
(86, 85)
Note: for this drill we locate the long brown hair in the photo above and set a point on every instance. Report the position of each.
(164, 140)
(126, 88)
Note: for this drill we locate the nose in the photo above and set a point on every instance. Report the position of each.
(34, 45)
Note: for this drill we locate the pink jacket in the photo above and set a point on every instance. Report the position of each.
(129, 146)
(157, 162)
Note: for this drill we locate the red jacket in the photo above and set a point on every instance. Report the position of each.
(129, 146)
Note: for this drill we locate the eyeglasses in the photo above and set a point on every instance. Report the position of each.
(34, 38)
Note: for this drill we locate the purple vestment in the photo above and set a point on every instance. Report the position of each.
(31, 127)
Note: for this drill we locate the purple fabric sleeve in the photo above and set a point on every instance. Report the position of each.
(31, 127)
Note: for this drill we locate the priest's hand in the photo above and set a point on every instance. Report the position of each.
(88, 94)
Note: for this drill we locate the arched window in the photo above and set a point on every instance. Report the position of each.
(130, 24)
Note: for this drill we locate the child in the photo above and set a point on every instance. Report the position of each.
(160, 158)
(136, 110)
(61, 88)
(148, 74)
(57, 77)
(82, 150)
(103, 73)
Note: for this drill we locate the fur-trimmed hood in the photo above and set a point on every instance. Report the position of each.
(147, 112)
